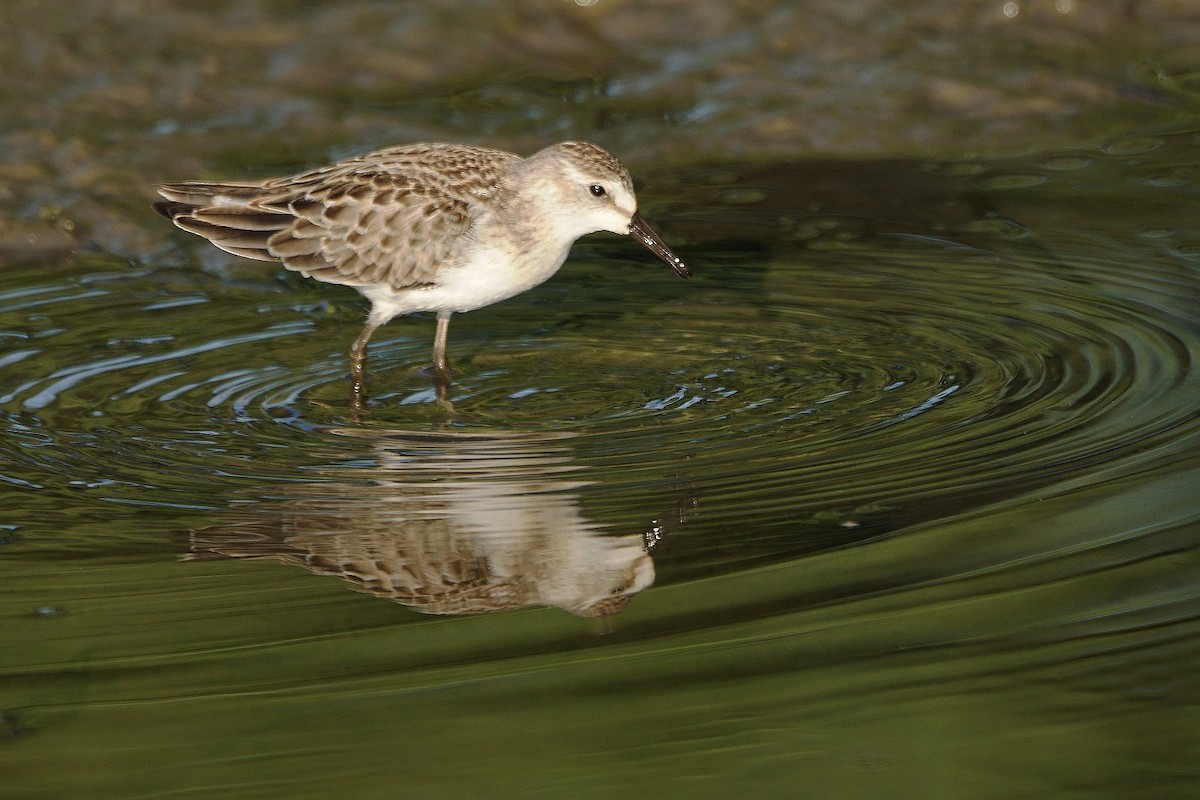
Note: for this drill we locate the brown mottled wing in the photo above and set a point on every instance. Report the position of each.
(420, 564)
(392, 217)
(375, 230)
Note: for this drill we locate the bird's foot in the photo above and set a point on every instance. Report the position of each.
(441, 385)
(358, 401)
(358, 387)
(437, 371)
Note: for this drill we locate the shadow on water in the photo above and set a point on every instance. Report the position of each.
(919, 442)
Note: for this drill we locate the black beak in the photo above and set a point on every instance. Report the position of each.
(640, 229)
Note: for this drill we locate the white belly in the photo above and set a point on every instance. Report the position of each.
(488, 276)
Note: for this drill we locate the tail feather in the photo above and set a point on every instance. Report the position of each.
(225, 215)
(223, 236)
(248, 244)
(247, 218)
(200, 193)
(171, 210)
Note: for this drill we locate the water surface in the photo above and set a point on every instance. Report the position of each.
(898, 496)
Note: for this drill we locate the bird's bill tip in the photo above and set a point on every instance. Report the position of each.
(640, 229)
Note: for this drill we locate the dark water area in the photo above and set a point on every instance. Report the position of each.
(899, 496)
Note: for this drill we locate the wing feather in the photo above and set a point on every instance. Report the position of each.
(394, 216)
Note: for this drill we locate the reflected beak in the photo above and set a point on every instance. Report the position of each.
(640, 229)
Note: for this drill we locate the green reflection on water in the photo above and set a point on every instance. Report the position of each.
(924, 435)
(1006, 669)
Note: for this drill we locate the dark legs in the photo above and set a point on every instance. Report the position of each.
(358, 369)
(440, 363)
(358, 364)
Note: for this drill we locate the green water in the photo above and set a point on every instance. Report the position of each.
(899, 496)
(917, 500)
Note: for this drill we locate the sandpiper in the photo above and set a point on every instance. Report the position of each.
(422, 227)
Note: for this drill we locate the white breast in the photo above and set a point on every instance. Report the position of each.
(489, 274)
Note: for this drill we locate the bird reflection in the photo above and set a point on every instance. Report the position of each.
(449, 524)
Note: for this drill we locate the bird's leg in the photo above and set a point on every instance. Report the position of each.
(441, 388)
(358, 364)
(441, 366)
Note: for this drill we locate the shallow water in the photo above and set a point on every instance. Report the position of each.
(901, 491)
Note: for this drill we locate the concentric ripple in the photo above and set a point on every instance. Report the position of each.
(846, 372)
(916, 436)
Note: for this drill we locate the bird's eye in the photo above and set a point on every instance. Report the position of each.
(597, 190)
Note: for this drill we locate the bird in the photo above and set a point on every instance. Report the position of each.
(427, 227)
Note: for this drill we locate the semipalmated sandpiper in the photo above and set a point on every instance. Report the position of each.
(422, 227)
